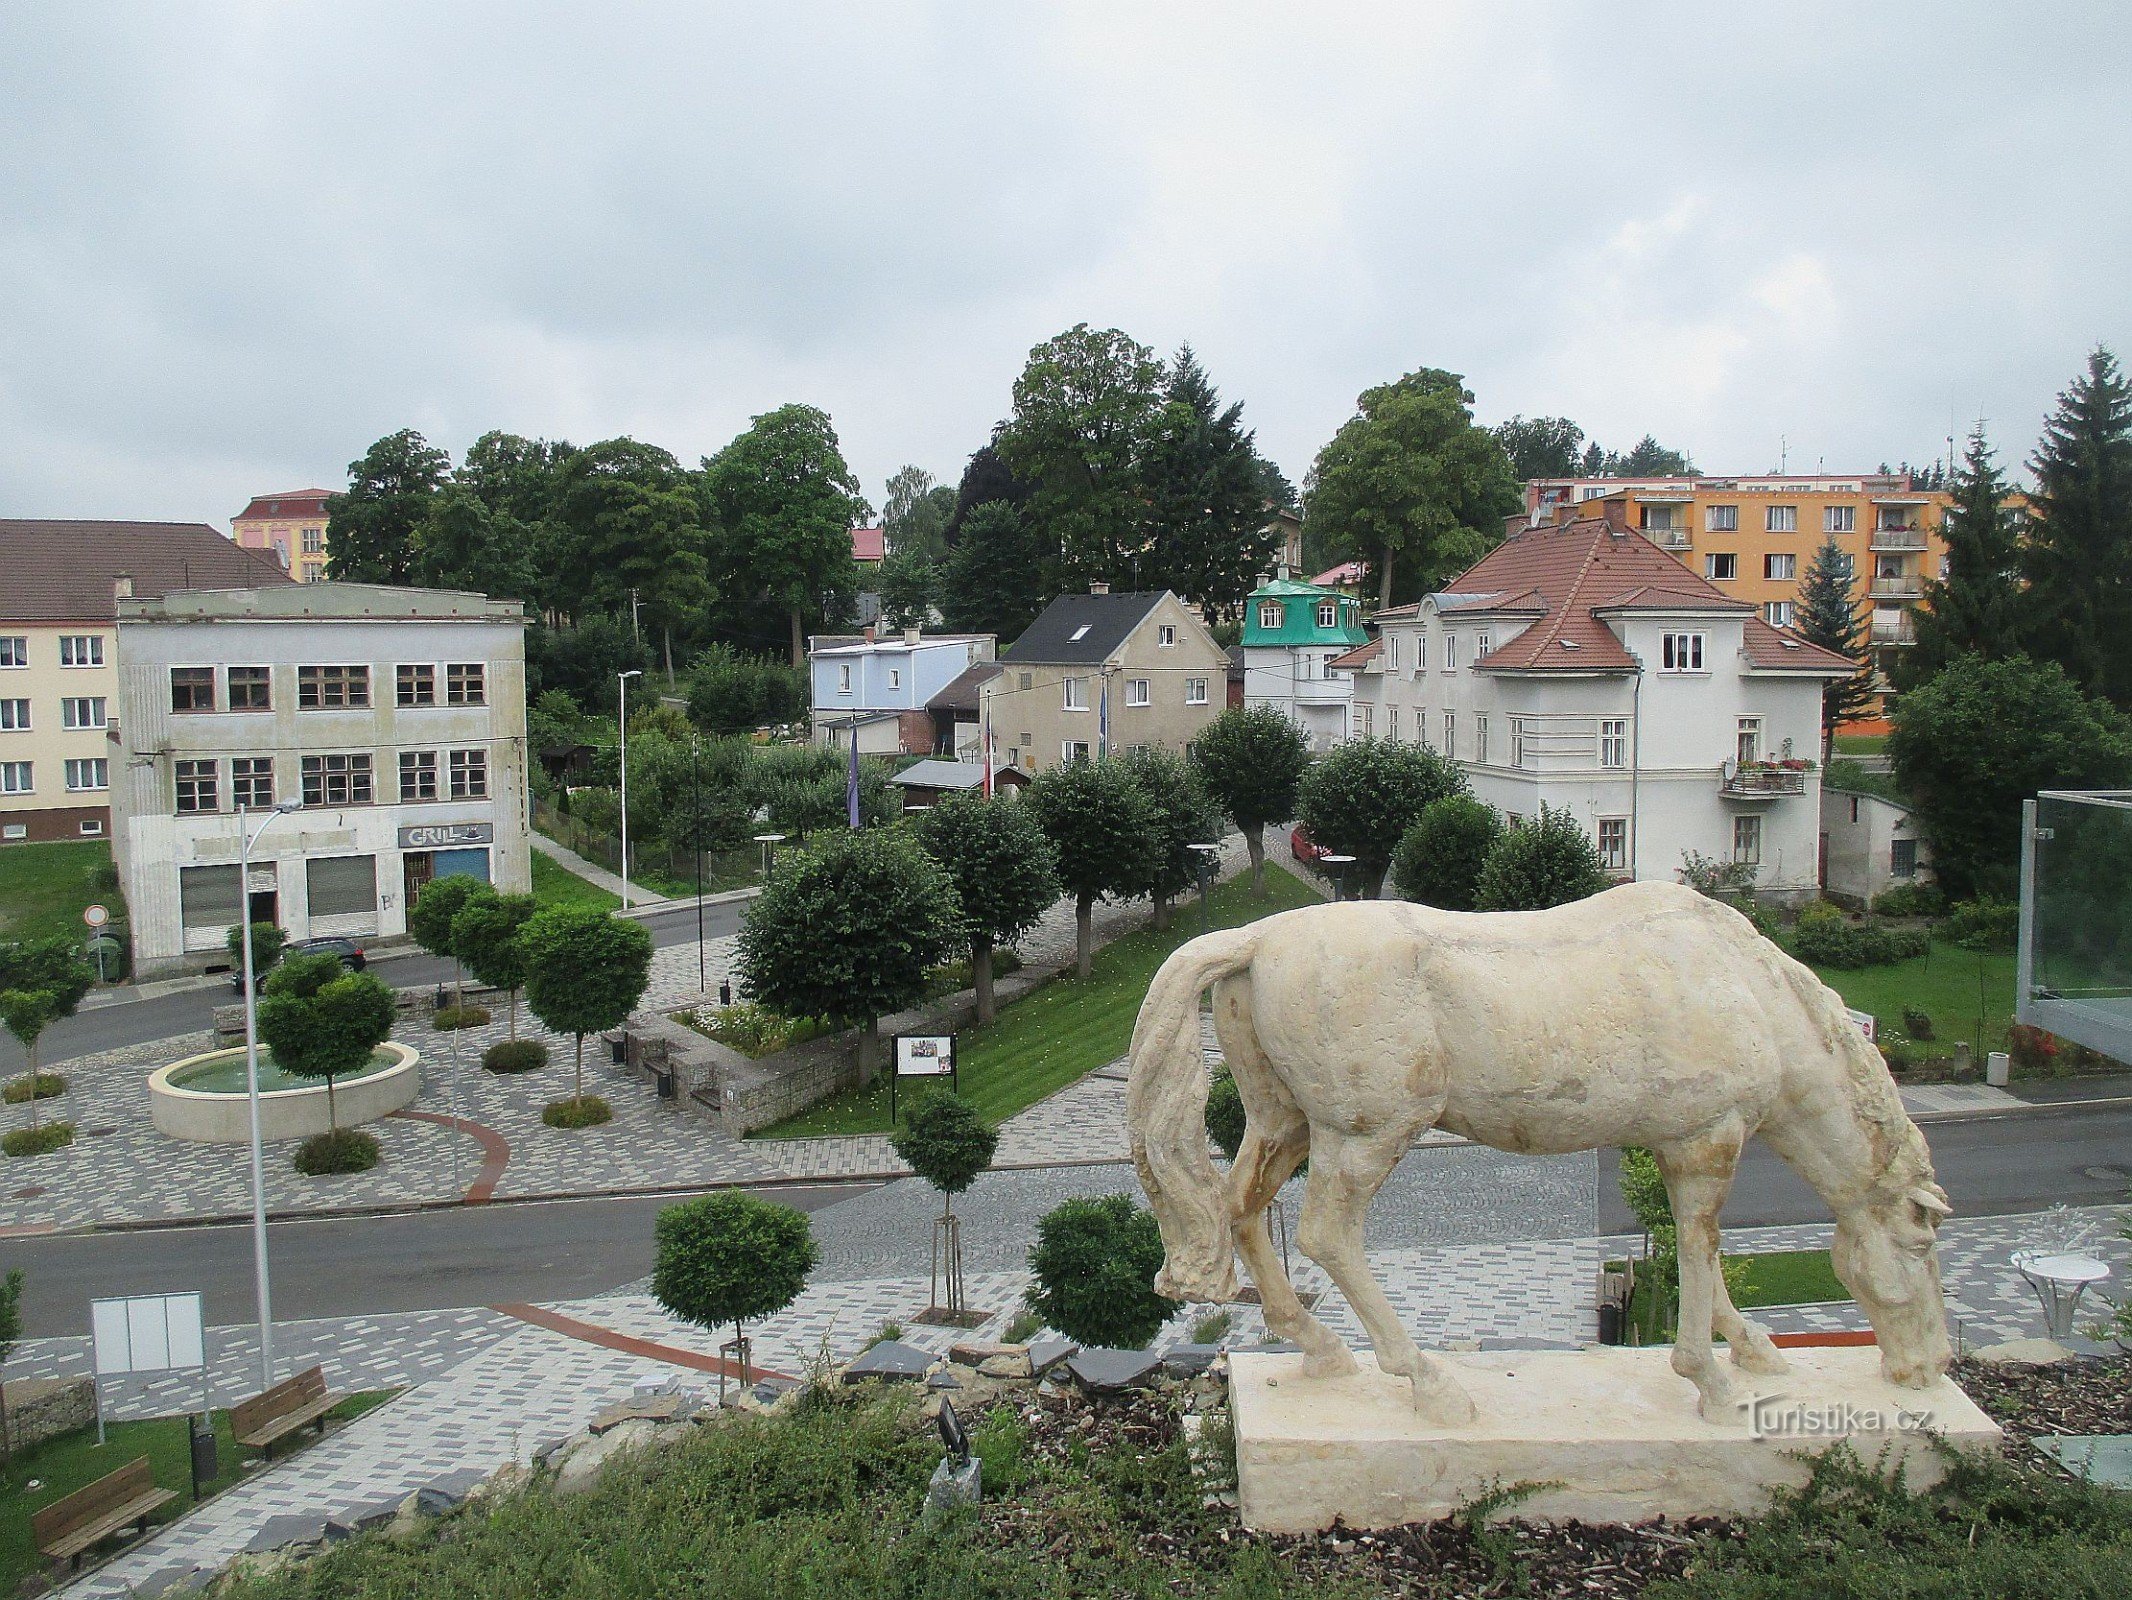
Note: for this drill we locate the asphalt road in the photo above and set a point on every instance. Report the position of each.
(557, 1250)
(193, 1010)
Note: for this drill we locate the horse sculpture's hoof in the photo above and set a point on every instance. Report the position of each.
(1336, 1361)
(1757, 1356)
(1722, 1404)
(1441, 1401)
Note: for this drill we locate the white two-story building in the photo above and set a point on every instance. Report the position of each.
(874, 687)
(396, 716)
(1581, 667)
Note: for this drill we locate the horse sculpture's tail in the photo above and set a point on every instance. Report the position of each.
(1166, 1108)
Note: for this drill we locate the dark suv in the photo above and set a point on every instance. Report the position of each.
(348, 950)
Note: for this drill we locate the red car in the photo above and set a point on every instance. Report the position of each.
(1299, 841)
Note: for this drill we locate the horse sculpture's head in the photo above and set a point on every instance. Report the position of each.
(1886, 1252)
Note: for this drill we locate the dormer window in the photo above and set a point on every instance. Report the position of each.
(1269, 615)
(1079, 633)
(1329, 615)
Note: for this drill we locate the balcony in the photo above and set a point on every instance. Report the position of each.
(1762, 780)
(1669, 538)
(1909, 588)
(1899, 629)
(1899, 539)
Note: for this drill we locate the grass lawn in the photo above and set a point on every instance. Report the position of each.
(72, 1460)
(1777, 1278)
(43, 888)
(1861, 744)
(1967, 994)
(1064, 1030)
(556, 885)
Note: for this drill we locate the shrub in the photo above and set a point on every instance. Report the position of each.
(515, 1055)
(45, 1086)
(1439, 859)
(730, 1257)
(39, 1140)
(1225, 1115)
(325, 1155)
(1361, 797)
(579, 1111)
(1548, 862)
(1896, 1054)
(1023, 1326)
(1717, 878)
(1917, 1024)
(946, 1143)
(1825, 937)
(2034, 1051)
(1984, 924)
(467, 1016)
(1094, 1261)
(1911, 900)
(753, 1030)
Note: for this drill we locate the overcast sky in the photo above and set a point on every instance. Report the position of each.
(237, 243)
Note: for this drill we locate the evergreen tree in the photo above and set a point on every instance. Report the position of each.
(1975, 609)
(1829, 618)
(995, 579)
(2078, 556)
(371, 531)
(1208, 534)
(987, 478)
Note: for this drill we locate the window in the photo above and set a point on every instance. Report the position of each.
(418, 685)
(82, 711)
(1721, 519)
(192, 688)
(1747, 840)
(1451, 735)
(14, 716)
(1747, 739)
(1782, 567)
(1777, 613)
(418, 775)
(15, 777)
(1027, 678)
(1517, 741)
(92, 772)
(250, 689)
(1195, 691)
(1073, 750)
(12, 831)
(1682, 652)
(1421, 654)
(1781, 519)
(1076, 694)
(1166, 636)
(1659, 519)
(1269, 615)
(337, 780)
(844, 678)
(1136, 691)
(336, 688)
(1721, 566)
(91, 828)
(1391, 652)
(1328, 614)
(342, 886)
(1614, 843)
(466, 684)
(1480, 738)
(1902, 858)
(14, 650)
(1838, 519)
(196, 786)
(1482, 645)
(1450, 652)
(470, 774)
(81, 649)
(314, 541)
(1614, 741)
(1391, 724)
(251, 782)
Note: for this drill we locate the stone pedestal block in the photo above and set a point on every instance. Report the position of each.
(1613, 1430)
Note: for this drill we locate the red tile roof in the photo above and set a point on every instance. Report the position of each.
(1361, 656)
(868, 544)
(289, 503)
(64, 571)
(1779, 650)
(1333, 577)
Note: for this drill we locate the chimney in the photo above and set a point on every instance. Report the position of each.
(1099, 587)
(1614, 510)
(869, 633)
(122, 586)
(910, 637)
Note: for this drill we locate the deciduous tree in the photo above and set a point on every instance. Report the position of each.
(485, 936)
(1183, 816)
(1105, 833)
(1253, 760)
(730, 1257)
(431, 921)
(1541, 447)
(41, 981)
(585, 972)
(323, 1021)
(372, 531)
(637, 536)
(1360, 799)
(1548, 862)
(913, 516)
(1005, 871)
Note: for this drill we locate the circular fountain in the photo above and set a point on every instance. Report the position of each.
(203, 1097)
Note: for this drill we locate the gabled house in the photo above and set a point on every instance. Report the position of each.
(874, 686)
(1101, 673)
(1292, 632)
(1579, 666)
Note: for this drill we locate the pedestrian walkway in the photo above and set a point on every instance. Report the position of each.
(1953, 1099)
(598, 876)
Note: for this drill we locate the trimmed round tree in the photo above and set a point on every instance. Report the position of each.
(430, 919)
(1004, 870)
(1439, 861)
(948, 1145)
(1225, 1114)
(1360, 798)
(847, 929)
(1548, 862)
(323, 1021)
(1184, 816)
(267, 943)
(41, 981)
(1094, 1262)
(730, 1257)
(585, 972)
(1252, 760)
(485, 935)
(1105, 833)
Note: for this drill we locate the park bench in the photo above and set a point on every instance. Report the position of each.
(290, 1405)
(75, 1523)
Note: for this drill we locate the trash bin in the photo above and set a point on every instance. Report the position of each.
(619, 1043)
(1609, 1323)
(441, 999)
(203, 1453)
(664, 1078)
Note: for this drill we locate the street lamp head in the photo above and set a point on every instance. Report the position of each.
(633, 672)
(289, 803)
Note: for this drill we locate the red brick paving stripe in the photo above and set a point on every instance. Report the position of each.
(28, 1230)
(1822, 1341)
(592, 1333)
(495, 1151)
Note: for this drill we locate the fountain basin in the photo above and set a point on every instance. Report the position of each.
(202, 1098)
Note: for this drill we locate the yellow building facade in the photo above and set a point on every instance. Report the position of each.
(290, 526)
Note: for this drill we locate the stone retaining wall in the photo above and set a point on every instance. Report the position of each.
(43, 1408)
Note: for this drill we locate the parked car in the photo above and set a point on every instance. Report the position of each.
(1305, 850)
(348, 950)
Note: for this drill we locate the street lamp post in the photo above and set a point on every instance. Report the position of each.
(1339, 865)
(622, 680)
(248, 837)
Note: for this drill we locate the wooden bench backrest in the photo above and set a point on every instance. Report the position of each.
(288, 1395)
(93, 1500)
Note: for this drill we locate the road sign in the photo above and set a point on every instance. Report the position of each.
(95, 916)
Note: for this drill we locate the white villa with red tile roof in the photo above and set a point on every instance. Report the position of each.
(1581, 667)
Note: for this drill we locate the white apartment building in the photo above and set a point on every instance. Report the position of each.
(397, 716)
(1581, 667)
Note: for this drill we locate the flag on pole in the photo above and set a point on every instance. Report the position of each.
(988, 749)
(851, 779)
(1103, 720)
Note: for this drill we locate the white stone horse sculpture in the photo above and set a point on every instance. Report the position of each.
(1647, 1015)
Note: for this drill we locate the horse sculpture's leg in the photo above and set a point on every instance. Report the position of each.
(1698, 1176)
(1346, 1170)
(1750, 1344)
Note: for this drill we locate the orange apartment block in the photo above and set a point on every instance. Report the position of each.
(1755, 538)
(292, 525)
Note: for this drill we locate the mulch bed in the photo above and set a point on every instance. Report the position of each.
(2078, 1397)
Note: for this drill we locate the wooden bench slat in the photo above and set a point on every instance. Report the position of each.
(82, 1539)
(75, 1522)
(292, 1404)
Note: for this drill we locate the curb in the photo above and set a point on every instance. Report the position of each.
(659, 908)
